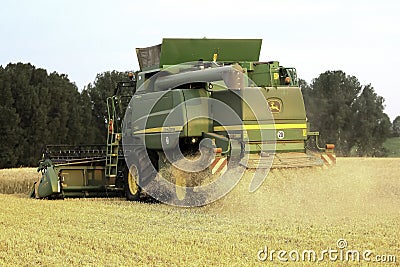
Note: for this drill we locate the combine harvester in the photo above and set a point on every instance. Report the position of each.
(225, 103)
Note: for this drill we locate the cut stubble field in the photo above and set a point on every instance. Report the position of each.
(358, 200)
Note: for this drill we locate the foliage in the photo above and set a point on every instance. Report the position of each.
(392, 146)
(9, 124)
(37, 109)
(347, 114)
(396, 127)
(98, 92)
(26, 94)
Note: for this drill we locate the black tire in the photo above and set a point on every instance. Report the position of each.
(140, 172)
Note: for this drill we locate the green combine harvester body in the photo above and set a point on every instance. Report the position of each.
(226, 71)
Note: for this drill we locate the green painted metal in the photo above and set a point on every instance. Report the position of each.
(177, 51)
(220, 141)
(48, 184)
(196, 107)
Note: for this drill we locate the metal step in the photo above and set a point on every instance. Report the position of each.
(111, 165)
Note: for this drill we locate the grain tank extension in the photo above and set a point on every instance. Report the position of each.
(212, 98)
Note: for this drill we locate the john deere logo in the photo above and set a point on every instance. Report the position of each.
(275, 105)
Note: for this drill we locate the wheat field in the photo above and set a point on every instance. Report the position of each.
(357, 201)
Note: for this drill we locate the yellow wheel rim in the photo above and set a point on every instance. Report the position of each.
(133, 176)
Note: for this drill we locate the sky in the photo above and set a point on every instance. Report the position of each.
(84, 38)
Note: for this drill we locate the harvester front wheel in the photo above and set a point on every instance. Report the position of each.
(141, 170)
(132, 189)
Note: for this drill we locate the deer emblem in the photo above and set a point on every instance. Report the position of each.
(274, 105)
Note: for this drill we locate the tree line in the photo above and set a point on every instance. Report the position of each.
(348, 114)
(39, 108)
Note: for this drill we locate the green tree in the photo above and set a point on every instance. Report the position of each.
(89, 130)
(9, 124)
(331, 103)
(346, 113)
(102, 88)
(65, 111)
(37, 109)
(310, 102)
(396, 127)
(371, 125)
(26, 100)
